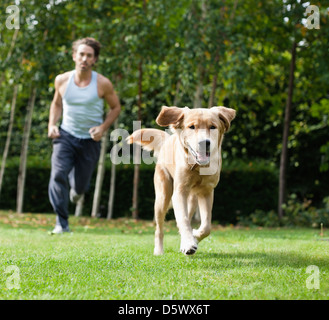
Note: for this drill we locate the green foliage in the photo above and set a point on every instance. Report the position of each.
(245, 45)
(325, 158)
(297, 213)
(240, 190)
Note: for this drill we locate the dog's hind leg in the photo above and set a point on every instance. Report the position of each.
(163, 192)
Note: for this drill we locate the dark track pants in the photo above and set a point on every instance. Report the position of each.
(72, 164)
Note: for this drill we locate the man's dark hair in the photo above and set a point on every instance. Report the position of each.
(91, 42)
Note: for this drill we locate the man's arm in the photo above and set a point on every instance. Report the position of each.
(115, 108)
(55, 112)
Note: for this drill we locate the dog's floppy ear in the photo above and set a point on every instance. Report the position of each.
(170, 116)
(226, 115)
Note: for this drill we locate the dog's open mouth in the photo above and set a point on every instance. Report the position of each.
(202, 156)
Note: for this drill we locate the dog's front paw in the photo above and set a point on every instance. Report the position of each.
(189, 248)
(158, 251)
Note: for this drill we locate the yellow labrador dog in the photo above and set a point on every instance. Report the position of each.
(188, 168)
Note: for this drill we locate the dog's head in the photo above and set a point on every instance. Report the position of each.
(200, 131)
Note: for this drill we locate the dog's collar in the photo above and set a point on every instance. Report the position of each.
(192, 152)
(189, 151)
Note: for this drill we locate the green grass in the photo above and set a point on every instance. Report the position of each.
(114, 260)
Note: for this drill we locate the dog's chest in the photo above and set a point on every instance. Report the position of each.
(202, 182)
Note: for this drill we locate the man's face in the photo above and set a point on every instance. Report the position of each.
(84, 57)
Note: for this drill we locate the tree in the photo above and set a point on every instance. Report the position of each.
(100, 176)
(9, 133)
(112, 186)
(285, 136)
(24, 150)
(230, 52)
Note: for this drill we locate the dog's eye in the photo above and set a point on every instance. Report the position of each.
(192, 127)
(212, 127)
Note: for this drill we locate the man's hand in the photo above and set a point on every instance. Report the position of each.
(96, 133)
(53, 132)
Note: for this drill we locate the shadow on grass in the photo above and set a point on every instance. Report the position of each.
(273, 259)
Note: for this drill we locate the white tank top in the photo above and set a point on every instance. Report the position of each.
(82, 108)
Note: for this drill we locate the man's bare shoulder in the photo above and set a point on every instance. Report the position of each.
(62, 78)
(104, 82)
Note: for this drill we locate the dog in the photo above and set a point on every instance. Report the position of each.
(187, 169)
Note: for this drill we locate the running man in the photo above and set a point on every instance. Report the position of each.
(79, 101)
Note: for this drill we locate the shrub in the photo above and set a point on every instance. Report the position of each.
(243, 188)
(297, 213)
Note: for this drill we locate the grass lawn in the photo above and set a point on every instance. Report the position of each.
(114, 260)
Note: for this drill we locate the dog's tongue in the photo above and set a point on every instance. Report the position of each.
(203, 157)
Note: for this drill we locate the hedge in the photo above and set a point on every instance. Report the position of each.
(243, 188)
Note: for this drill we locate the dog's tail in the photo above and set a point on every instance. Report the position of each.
(149, 139)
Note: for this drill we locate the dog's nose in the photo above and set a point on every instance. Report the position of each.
(205, 144)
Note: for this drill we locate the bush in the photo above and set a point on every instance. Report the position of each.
(296, 213)
(243, 188)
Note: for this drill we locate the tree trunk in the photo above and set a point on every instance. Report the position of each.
(136, 184)
(198, 95)
(284, 152)
(112, 186)
(112, 193)
(9, 133)
(100, 176)
(176, 98)
(214, 83)
(24, 150)
(213, 91)
(10, 52)
(137, 153)
(12, 45)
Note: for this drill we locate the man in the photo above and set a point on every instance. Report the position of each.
(79, 100)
